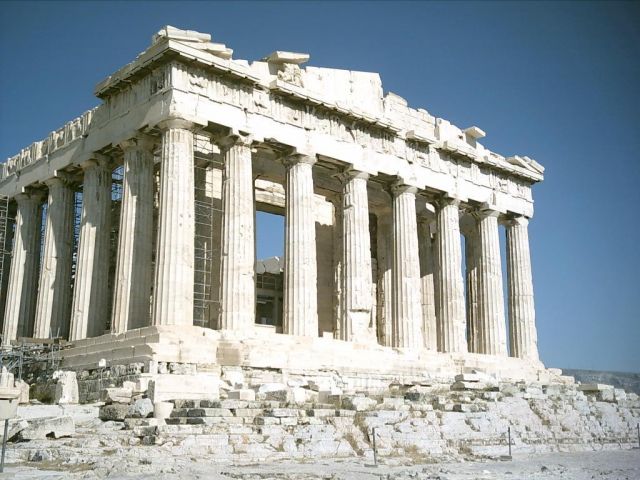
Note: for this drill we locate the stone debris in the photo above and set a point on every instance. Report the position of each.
(66, 390)
(41, 428)
(142, 408)
(24, 391)
(412, 424)
(115, 411)
(116, 395)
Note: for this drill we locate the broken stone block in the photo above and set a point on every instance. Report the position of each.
(329, 396)
(142, 408)
(468, 386)
(173, 386)
(242, 394)
(41, 428)
(235, 378)
(358, 404)
(299, 395)
(273, 392)
(15, 426)
(24, 391)
(116, 395)
(115, 411)
(619, 394)
(606, 395)
(281, 412)
(593, 387)
(469, 377)
(66, 387)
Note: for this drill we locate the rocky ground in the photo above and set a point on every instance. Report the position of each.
(610, 465)
(452, 431)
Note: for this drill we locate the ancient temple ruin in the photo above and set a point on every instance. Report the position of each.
(130, 231)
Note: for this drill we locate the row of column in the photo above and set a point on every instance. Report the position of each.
(54, 312)
(413, 309)
(354, 322)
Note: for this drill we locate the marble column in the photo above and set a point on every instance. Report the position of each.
(492, 329)
(522, 317)
(472, 252)
(53, 308)
(173, 287)
(451, 303)
(428, 294)
(385, 281)
(237, 247)
(407, 314)
(300, 315)
(356, 252)
(132, 285)
(90, 297)
(23, 275)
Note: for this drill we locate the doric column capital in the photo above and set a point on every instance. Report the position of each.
(96, 160)
(139, 142)
(483, 213)
(176, 122)
(61, 179)
(399, 187)
(234, 139)
(517, 220)
(444, 201)
(297, 158)
(351, 173)
(29, 195)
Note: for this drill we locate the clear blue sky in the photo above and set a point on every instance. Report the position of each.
(558, 81)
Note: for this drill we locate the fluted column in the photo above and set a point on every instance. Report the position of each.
(472, 252)
(90, 297)
(356, 251)
(132, 286)
(54, 293)
(428, 294)
(23, 275)
(450, 297)
(237, 270)
(385, 281)
(491, 323)
(522, 316)
(173, 287)
(300, 315)
(407, 314)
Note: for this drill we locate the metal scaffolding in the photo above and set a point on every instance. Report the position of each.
(116, 203)
(207, 212)
(6, 241)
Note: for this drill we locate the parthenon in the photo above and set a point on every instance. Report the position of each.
(131, 230)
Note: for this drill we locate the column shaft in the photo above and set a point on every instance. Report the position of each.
(237, 270)
(23, 275)
(385, 280)
(54, 293)
(491, 321)
(471, 255)
(356, 250)
(427, 273)
(90, 296)
(450, 297)
(174, 275)
(300, 272)
(522, 317)
(407, 314)
(132, 285)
